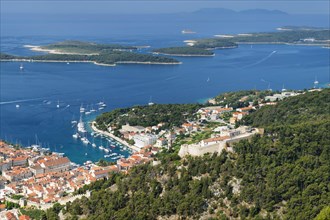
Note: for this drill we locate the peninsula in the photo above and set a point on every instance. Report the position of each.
(100, 54)
(184, 51)
(292, 35)
(285, 35)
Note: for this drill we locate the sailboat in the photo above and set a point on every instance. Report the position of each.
(93, 144)
(21, 67)
(82, 109)
(81, 126)
(87, 112)
(37, 145)
(58, 104)
(92, 109)
(73, 121)
(208, 79)
(316, 83)
(76, 135)
(150, 101)
(101, 147)
(85, 140)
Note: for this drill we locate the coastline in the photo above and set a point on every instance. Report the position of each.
(151, 63)
(55, 61)
(284, 43)
(184, 55)
(108, 134)
(40, 49)
(81, 61)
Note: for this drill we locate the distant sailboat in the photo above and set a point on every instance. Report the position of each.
(208, 79)
(58, 104)
(76, 135)
(82, 109)
(150, 101)
(269, 89)
(21, 67)
(316, 83)
(92, 109)
(87, 112)
(17, 106)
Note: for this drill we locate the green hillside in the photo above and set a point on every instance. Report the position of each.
(283, 174)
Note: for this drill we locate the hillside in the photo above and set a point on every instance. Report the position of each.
(283, 174)
(170, 114)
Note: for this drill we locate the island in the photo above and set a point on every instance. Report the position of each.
(292, 35)
(184, 51)
(100, 54)
(296, 35)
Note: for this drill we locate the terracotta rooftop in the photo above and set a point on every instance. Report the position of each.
(56, 162)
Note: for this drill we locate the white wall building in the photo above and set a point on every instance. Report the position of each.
(144, 140)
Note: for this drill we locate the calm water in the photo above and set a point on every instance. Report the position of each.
(41, 86)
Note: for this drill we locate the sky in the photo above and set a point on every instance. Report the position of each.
(159, 6)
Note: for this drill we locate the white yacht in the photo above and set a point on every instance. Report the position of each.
(150, 101)
(75, 136)
(82, 109)
(85, 140)
(81, 126)
(187, 31)
(106, 150)
(101, 147)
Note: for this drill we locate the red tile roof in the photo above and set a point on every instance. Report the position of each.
(56, 162)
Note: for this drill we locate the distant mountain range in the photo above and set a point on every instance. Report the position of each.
(224, 11)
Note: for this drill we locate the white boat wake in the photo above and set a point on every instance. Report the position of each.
(260, 61)
(21, 100)
(171, 78)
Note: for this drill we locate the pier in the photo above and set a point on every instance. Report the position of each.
(108, 134)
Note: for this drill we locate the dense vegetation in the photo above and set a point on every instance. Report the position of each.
(91, 52)
(104, 58)
(4, 56)
(241, 98)
(294, 36)
(311, 107)
(191, 51)
(214, 43)
(283, 174)
(150, 115)
(85, 47)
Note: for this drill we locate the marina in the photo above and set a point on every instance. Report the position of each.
(25, 112)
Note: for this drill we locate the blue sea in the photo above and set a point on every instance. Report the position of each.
(41, 86)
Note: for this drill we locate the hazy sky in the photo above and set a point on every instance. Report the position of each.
(158, 6)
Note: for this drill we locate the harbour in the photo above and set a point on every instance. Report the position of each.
(25, 112)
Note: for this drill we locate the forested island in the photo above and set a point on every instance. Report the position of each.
(282, 174)
(295, 35)
(286, 35)
(101, 54)
(184, 51)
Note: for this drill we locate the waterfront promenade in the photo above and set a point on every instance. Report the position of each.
(108, 134)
